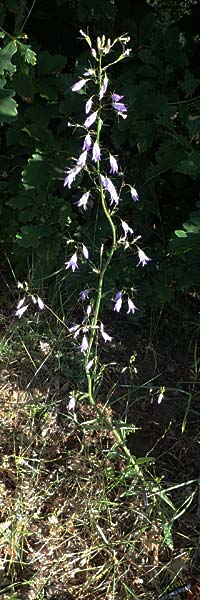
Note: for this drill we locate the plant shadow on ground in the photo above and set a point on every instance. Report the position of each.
(76, 521)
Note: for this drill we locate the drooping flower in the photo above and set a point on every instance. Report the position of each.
(71, 404)
(108, 185)
(89, 364)
(84, 294)
(71, 176)
(83, 200)
(88, 106)
(72, 262)
(82, 159)
(104, 87)
(85, 252)
(134, 194)
(126, 229)
(87, 142)
(91, 119)
(131, 307)
(89, 310)
(84, 344)
(105, 336)
(40, 303)
(116, 97)
(78, 85)
(119, 106)
(75, 329)
(143, 258)
(118, 302)
(113, 165)
(21, 308)
(96, 154)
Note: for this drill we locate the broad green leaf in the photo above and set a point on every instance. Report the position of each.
(8, 106)
(37, 173)
(190, 166)
(30, 235)
(6, 54)
(50, 64)
(180, 233)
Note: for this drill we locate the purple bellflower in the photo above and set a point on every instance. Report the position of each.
(143, 258)
(131, 307)
(85, 252)
(91, 119)
(108, 185)
(71, 176)
(21, 308)
(78, 85)
(84, 294)
(113, 165)
(119, 106)
(87, 142)
(116, 97)
(83, 201)
(96, 154)
(72, 263)
(105, 336)
(82, 159)
(104, 87)
(84, 344)
(134, 194)
(88, 106)
(118, 302)
(126, 229)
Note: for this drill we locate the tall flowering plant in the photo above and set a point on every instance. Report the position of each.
(106, 182)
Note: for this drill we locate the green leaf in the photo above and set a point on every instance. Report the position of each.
(28, 54)
(8, 106)
(5, 58)
(37, 173)
(51, 64)
(190, 166)
(190, 84)
(30, 235)
(180, 233)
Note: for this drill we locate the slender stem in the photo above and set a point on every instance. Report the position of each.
(109, 257)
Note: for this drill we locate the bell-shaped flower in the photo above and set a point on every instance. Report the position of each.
(82, 159)
(83, 201)
(88, 106)
(118, 302)
(85, 252)
(104, 87)
(134, 194)
(21, 308)
(131, 307)
(143, 258)
(116, 97)
(84, 345)
(113, 165)
(108, 185)
(84, 294)
(72, 263)
(87, 142)
(71, 176)
(105, 336)
(91, 119)
(78, 85)
(126, 229)
(96, 154)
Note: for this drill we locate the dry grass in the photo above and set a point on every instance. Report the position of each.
(74, 521)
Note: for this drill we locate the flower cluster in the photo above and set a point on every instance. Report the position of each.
(103, 172)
